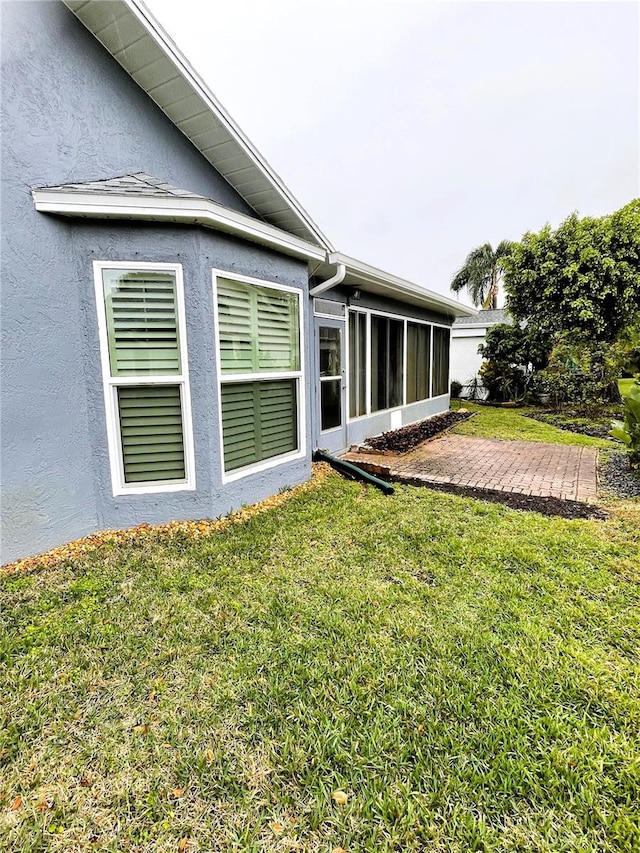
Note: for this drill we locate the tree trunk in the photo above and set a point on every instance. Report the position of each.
(491, 300)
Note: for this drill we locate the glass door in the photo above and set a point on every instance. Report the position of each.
(331, 434)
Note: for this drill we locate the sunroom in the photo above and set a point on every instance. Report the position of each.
(381, 352)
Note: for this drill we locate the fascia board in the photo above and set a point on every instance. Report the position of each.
(468, 331)
(398, 287)
(475, 326)
(176, 209)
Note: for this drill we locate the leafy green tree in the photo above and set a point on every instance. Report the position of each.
(582, 278)
(583, 373)
(516, 345)
(480, 276)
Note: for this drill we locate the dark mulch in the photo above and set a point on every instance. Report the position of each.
(575, 421)
(404, 439)
(616, 477)
(531, 503)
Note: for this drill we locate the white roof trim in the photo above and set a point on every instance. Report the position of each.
(378, 280)
(475, 326)
(193, 210)
(128, 30)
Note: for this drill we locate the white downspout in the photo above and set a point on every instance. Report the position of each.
(341, 271)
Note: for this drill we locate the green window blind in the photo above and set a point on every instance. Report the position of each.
(259, 420)
(151, 432)
(259, 328)
(142, 322)
(277, 314)
(236, 324)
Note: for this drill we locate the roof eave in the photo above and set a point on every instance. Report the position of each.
(186, 210)
(377, 280)
(139, 14)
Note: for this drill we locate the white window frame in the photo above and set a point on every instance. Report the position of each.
(369, 312)
(345, 366)
(231, 378)
(112, 383)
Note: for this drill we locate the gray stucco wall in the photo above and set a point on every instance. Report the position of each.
(69, 113)
(198, 251)
(56, 476)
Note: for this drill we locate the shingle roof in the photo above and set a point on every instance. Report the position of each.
(136, 184)
(487, 317)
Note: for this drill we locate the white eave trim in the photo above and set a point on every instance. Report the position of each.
(462, 326)
(197, 211)
(400, 288)
(196, 84)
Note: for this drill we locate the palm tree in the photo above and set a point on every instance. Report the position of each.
(481, 274)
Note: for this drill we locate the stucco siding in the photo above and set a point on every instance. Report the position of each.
(56, 474)
(70, 113)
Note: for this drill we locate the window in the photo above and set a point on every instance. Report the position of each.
(441, 347)
(357, 364)
(260, 372)
(330, 358)
(418, 361)
(387, 348)
(144, 365)
(399, 361)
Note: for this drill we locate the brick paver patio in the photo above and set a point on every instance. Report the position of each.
(521, 467)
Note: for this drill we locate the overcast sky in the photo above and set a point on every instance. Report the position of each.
(414, 131)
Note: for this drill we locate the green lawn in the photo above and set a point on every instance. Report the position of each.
(512, 424)
(468, 675)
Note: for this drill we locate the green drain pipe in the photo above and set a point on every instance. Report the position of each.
(352, 470)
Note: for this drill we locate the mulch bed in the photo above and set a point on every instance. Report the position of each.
(531, 503)
(406, 438)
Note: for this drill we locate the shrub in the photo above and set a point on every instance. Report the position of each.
(583, 374)
(628, 431)
(629, 342)
(456, 388)
(511, 356)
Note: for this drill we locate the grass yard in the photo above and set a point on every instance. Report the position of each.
(466, 675)
(512, 425)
